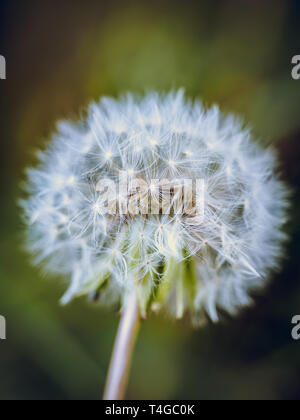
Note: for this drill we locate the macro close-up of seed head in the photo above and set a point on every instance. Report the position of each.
(159, 195)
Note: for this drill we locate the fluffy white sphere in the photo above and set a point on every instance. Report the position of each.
(174, 259)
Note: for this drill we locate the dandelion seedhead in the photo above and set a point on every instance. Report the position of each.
(158, 195)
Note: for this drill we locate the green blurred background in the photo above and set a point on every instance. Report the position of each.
(60, 56)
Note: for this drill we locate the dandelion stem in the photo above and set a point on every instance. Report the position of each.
(122, 354)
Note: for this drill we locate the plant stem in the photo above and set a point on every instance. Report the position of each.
(121, 358)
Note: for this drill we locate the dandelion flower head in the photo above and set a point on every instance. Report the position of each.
(107, 206)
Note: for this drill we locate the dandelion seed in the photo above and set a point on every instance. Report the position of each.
(153, 142)
(96, 208)
(71, 180)
(108, 155)
(130, 172)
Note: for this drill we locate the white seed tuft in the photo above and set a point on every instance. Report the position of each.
(218, 258)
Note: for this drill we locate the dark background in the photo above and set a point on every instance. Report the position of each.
(60, 56)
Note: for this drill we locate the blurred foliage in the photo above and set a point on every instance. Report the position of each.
(62, 55)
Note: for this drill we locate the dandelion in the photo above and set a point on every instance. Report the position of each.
(162, 257)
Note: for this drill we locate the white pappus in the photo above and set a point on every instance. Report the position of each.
(177, 260)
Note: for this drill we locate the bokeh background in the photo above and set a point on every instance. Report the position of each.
(60, 56)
